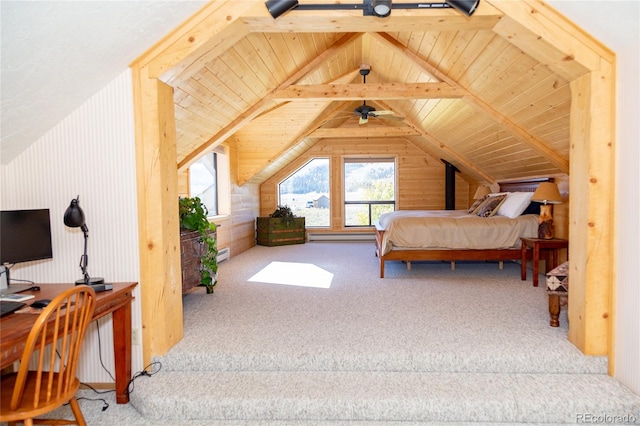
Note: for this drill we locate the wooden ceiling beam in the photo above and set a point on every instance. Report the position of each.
(505, 122)
(361, 91)
(290, 152)
(452, 156)
(266, 103)
(364, 132)
(204, 36)
(326, 21)
(534, 27)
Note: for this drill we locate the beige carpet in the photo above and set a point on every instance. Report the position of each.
(310, 335)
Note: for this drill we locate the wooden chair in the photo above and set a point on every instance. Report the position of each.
(30, 393)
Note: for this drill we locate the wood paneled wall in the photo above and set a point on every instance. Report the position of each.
(236, 223)
(420, 177)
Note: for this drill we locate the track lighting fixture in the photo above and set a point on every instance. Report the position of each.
(466, 7)
(379, 8)
(278, 7)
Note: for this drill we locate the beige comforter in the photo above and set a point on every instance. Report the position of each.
(453, 229)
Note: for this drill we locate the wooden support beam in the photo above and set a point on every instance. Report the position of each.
(505, 122)
(359, 91)
(450, 154)
(364, 131)
(303, 21)
(265, 103)
(549, 37)
(159, 235)
(204, 36)
(591, 258)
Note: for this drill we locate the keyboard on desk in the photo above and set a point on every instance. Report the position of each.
(7, 307)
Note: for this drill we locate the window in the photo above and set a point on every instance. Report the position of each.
(307, 193)
(209, 180)
(369, 189)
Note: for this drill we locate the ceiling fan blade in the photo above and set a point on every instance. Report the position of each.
(391, 117)
(383, 112)
(363, 120)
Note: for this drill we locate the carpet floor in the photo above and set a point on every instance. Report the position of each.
(309, 334)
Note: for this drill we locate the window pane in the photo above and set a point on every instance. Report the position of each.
(307, 192)
(369, 190)
(203, 182)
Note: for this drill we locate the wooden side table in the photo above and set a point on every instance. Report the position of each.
(537, 244)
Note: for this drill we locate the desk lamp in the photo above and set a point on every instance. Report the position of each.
(547, 194)
(74, 218)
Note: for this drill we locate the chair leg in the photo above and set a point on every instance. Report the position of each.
(75, 407)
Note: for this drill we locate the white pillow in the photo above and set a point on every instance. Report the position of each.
(515, 204)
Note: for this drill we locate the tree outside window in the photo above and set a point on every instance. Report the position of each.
(369, 186)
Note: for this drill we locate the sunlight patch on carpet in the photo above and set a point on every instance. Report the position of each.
(293, 273)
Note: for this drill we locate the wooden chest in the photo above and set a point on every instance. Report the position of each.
(276, 231)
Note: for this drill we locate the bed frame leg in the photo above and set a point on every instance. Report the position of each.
(501, 265)
(408, 265)
(453, 265)
(381, 267)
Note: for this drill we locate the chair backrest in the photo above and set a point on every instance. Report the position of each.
(63, 324)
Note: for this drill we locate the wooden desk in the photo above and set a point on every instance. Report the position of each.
(552, 245)
(15, 328)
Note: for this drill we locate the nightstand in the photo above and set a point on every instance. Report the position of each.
(552, 246)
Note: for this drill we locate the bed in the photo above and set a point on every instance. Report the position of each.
(458, 235)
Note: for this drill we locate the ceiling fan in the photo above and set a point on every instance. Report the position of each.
(365, 111)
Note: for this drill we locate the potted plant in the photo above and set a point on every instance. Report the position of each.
(193, 219)
(280, 228)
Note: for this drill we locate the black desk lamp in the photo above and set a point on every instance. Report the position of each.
(74, 218)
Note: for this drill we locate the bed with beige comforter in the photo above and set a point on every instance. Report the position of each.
(450, 235)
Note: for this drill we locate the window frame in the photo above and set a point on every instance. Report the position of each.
(359, 159)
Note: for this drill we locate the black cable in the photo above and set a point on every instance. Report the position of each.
(130, 385)
(100, 353)
(144, 372)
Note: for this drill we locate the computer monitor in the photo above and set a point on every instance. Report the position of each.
(25, 236)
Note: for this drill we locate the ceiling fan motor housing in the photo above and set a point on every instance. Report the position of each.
(364, 110)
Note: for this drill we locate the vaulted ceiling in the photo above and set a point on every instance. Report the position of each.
(485, 92)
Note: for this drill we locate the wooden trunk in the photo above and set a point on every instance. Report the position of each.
(276, 231)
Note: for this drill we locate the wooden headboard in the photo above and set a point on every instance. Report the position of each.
(529, 185)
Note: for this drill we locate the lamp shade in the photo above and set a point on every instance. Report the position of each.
(74, 216)
(481, 192)
(547, 193)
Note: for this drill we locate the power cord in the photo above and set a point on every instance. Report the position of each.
(148, 371)
(144, 372)
(154, 367)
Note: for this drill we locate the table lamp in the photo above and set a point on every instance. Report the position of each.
(74, 218)
(547, 194)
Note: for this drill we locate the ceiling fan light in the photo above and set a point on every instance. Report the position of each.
(381, 8)
(466, 7)
(278, 7)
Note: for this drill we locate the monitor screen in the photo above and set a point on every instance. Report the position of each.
(25, 235)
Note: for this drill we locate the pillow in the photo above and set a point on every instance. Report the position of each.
(515, 204)
(477, 203)
(533, 208)
(490, 207)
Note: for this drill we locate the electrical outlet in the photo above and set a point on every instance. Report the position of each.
(136, 337)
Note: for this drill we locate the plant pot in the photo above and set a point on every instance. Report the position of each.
(276, 231)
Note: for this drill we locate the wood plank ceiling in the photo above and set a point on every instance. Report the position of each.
(466, 89)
